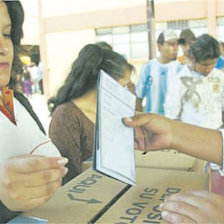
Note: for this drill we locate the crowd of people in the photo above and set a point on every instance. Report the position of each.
(29, 81)
(189, 88)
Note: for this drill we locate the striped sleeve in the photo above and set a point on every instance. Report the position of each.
(140, 89)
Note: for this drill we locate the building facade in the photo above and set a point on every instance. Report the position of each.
(121, 23)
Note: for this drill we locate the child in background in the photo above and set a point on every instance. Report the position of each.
(27, 85)
(198, 94)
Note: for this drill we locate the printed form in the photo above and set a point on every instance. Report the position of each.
(114, 142)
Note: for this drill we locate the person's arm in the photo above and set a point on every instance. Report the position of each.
(138, 106)
(27, 181)
(199, 142)
(64, 131)
(140, 88)
(155, 132)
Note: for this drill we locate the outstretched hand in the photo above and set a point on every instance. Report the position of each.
(28, 181)
(194, 207)
(152, 131)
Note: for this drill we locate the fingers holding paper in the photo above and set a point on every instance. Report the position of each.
(152, 132)
(28, 181)
(155, 132)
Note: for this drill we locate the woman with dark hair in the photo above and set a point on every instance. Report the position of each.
(23, 182)
(74, 107)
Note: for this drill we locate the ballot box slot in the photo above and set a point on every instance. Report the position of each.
(107, 206)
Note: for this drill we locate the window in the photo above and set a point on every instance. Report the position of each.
(177, 25)
(220, 28)
(139, 41)
(198, 26)
(130, 41)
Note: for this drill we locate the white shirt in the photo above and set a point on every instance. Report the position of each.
(23, 137)
(197, 99)
(154, 82)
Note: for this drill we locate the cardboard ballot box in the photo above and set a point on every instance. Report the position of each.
(168, 159)
(94, 198)
(81, 200)
(140, 204)
(86, 165)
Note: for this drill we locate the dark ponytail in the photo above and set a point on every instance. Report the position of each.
(85, 71)
(82, 77)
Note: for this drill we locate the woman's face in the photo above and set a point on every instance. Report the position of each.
(6, 46)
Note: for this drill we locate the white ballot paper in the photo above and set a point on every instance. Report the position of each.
(114, 142)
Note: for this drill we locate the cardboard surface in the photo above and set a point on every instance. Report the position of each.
(86, 165)
(80, 200)
(140, 204)
(94, 198)
(168, 159)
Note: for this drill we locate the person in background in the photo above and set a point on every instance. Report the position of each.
(157, 75)
(187, 38)
(155, 132)
(33, 69)
(74, 106)
(18, 86)
(27, 84)
(23, 182)
(40, 77)
(198, 94)
(220, 61)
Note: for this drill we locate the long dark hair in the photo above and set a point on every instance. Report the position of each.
(85, 70)
(16, 15)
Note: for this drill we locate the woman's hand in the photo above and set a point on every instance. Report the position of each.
(28, 181)
(152, 131)
(193, 207)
